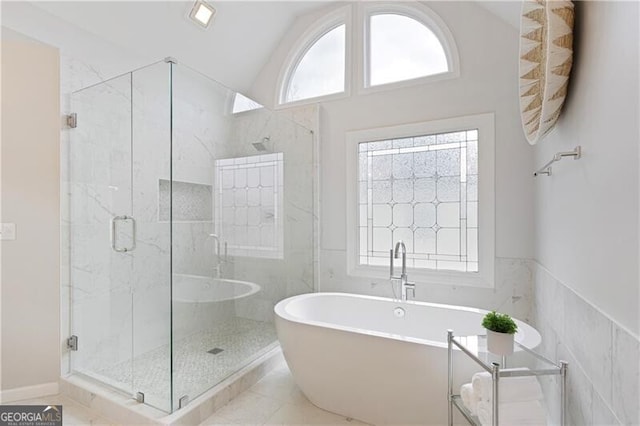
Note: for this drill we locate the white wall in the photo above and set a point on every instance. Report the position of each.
(30, 199)
(586, 275)
(587, 212)
(488, 49)
(93, 59)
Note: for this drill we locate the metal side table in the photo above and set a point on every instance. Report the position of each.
(475, 347)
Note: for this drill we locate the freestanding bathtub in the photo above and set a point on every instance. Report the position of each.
(358, 356)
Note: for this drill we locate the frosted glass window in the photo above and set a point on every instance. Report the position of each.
(241, 103)
(249, 200)
(322, 68)
(401, 48)
(423, 191)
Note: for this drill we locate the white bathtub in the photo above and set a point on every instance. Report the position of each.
(350, 354)
(199, 289)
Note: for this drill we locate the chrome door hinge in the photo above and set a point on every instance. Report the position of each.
(182, 402)
(72, 343)
(72, 120)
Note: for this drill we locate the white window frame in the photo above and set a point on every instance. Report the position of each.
(426, 17)
(341, 16)
(486, 200)
(355, 17)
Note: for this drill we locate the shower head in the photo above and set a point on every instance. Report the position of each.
(260, 146)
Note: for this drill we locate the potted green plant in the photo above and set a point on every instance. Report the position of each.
(501, 329)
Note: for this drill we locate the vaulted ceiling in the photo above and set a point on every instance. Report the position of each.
(244, 33)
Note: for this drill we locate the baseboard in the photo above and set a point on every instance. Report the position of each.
(28, 392)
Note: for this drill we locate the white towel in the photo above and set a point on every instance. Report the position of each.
(523, 413)
(510, 389)
(469, 398)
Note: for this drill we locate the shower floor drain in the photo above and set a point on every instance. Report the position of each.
(215, 351)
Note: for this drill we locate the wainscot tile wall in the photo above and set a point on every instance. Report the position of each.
(603, 378)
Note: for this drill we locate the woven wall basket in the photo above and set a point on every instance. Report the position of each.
(546, 55)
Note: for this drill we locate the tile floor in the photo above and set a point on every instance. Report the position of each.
(274, 400)
(196, 370)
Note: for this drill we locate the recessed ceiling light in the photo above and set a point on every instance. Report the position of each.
(202, 13)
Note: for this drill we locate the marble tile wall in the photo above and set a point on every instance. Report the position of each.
(603, 379)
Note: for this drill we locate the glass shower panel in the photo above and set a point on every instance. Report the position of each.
(199, 126)
(151, 259)
(101, 232)
(291, 215)
(242, 229)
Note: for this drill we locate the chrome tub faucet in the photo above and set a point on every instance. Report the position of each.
(405, 285)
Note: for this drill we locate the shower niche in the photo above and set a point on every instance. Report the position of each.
(217, 230)
(193, 201)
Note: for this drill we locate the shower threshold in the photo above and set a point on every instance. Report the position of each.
(123, 409)
(196, 369)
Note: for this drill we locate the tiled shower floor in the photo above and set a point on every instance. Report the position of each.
(196, 370)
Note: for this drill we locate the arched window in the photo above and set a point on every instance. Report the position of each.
(402, 48)
(389, 44)
(320, 70)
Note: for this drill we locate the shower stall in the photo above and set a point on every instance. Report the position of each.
(187, 224)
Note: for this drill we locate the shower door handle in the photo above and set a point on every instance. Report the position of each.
(114, 233)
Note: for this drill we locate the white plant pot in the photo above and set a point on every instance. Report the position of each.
(500, 343)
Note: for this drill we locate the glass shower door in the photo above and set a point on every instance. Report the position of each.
(120, 234)
(101, 232)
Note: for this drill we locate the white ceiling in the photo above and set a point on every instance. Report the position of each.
(243, 33)
(233, 50)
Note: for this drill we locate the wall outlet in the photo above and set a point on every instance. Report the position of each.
(7, 231)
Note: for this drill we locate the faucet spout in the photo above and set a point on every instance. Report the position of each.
(216, 239)
(400, 250)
